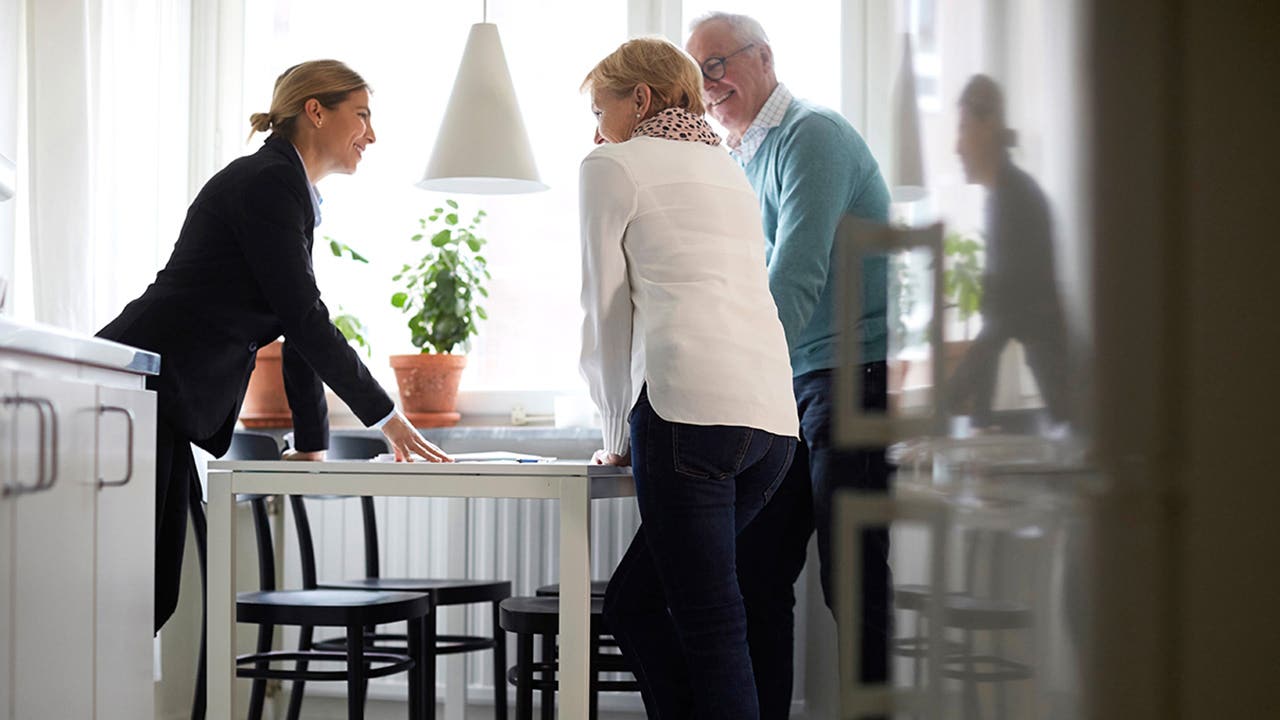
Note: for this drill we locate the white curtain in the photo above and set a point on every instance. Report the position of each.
(106, 110)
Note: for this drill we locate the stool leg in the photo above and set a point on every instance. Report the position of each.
(356, 676)
(299, 686)
(422, 701)
(499, 667)
(429, 663)
(550, 663)
(593, 700)
(259, 693)
(972, 709)
(524, 676)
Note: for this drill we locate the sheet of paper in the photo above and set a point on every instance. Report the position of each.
(489, 457)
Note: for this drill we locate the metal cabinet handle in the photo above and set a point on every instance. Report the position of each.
(48, 472)
(128, 472)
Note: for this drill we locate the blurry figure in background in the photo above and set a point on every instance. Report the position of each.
(1019, 287)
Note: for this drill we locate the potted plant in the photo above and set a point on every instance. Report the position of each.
(962, 289)
(265, 403)
(440, 294)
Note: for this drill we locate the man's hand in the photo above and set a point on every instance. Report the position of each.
(291, 454)
(607, 458)
(405, 441)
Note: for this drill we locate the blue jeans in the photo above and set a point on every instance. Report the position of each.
(779, 538)
(673, 603)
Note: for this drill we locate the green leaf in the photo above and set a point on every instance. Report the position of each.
(416, 237)
(335, 247)
(480, 311)
(474, 244)
(399, 299)
(358, 257)
(451, 218)
(441, 238)
(451, 204)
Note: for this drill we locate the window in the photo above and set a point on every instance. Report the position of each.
(409, 53)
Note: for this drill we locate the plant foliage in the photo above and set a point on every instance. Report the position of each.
(962, 280)
(348, 324)
(441, 292)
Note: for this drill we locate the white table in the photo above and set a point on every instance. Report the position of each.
(573, 484)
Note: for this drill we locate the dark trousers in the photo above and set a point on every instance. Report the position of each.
(1043, 338)
(673, 603)
(779, 539)
(175, 477)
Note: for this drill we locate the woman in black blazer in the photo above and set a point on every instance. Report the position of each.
(239, 277)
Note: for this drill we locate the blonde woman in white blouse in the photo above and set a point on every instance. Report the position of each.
(686, 360)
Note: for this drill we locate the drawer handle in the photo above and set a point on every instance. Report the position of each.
(128, 472)
(48, 470)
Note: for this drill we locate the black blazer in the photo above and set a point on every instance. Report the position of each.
(239, 277)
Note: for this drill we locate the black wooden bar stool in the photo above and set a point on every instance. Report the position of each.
(445, 592)
(310, 607)
(540, 616)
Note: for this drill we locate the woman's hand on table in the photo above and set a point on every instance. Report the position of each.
(313, 455)
(406, 442)
(607, 458)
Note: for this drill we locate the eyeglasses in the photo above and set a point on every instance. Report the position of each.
(713, 67)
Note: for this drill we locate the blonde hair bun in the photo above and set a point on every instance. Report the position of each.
(328, 81)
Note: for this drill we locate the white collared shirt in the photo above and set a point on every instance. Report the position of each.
(675, 291)
(315, 194)
(769, 117)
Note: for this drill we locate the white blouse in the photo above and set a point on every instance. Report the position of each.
(676, 293)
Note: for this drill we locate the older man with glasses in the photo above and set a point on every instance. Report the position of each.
(809, 167)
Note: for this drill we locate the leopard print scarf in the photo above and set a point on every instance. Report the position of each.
(677, 124)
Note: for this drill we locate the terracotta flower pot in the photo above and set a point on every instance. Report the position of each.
(429, 387)
(265, 404)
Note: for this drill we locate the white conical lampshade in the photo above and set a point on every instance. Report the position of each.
(908, 161)
(482, 146)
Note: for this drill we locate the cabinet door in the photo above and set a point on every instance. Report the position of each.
(7, 503)
(53, 533)
(125, 553)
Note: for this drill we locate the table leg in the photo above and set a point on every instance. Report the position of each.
(575, 596)
(221, 596)
(455, 618)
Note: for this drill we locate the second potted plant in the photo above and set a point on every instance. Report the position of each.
(440, 294)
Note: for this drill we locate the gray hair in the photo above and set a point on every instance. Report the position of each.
(746, 29)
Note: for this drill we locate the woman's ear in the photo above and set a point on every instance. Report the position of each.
(312, 108)
(643, 97)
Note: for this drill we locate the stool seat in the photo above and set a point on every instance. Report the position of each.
(444, 591)
(541, 615)
(965, 611)
(597, 589)
(329, 608)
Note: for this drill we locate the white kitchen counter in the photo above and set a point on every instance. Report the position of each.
(62, 344)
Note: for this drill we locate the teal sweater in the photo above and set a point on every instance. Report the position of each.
(808, 173)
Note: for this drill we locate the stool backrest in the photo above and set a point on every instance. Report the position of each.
(342, 446)
(247, 445)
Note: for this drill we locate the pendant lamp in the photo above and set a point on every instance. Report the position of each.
(908, 161)
(482, 146)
